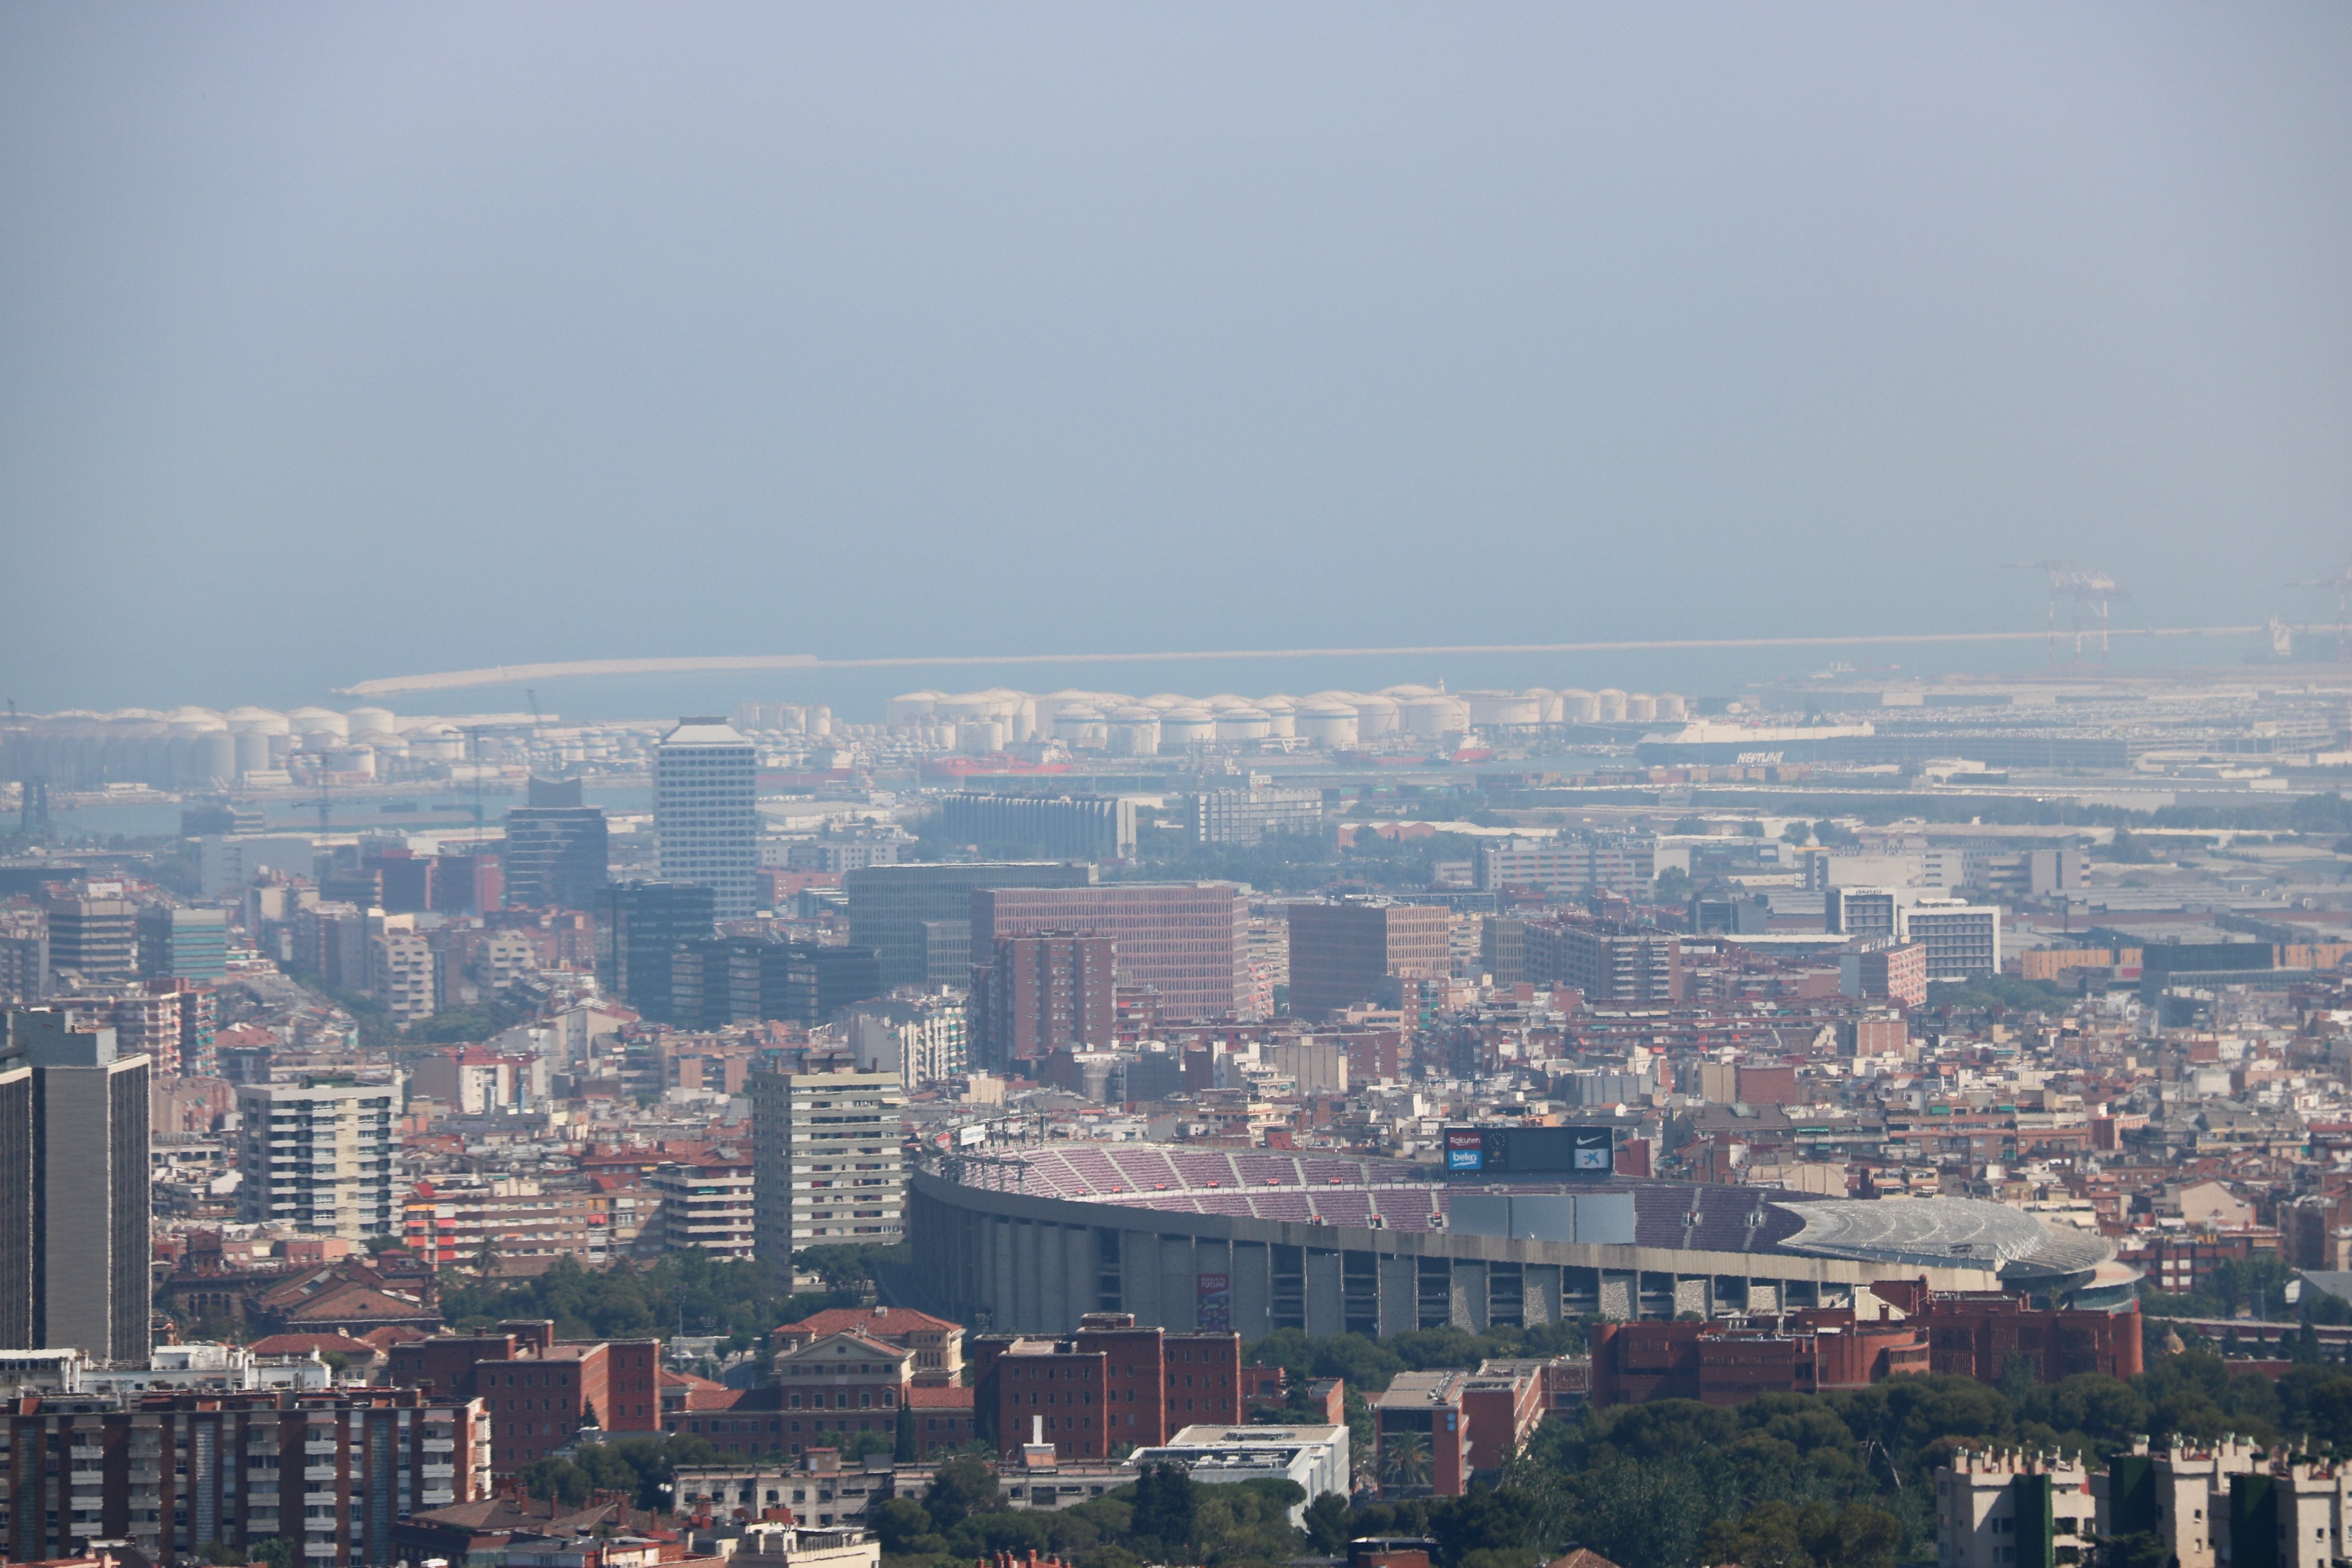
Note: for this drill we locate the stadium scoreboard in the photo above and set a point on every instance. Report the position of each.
(1589, 1152)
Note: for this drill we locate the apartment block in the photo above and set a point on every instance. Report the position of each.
(1342, 952)
(1570, 865)
(318, 1155)
(1252, 814)
(174, 1473)
(1042, 994)
(918, 917)
(1068, 826)
(828, 1159)
(1109, 1385)
(95, 939)
(707, 1203)
(537, 1391)
(74, 1191)
(1611, 964)
(1188, 942)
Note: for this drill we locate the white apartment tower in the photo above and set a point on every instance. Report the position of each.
(317, 1156)
(705, 819)
(829, 1166)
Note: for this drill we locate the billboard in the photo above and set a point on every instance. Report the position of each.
(1530, 1151)
(1215, 1308)
(1465, 1148)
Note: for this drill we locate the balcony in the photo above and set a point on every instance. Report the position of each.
(319, 1472)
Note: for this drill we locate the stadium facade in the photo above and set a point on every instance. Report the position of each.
(1253, 1241)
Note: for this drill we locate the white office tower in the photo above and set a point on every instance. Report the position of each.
(705, 816)
(317, 1156)
(827, 1159)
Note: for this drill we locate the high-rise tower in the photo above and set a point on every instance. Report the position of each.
(705, 816)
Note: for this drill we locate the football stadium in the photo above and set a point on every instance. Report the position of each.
(1524, 1227)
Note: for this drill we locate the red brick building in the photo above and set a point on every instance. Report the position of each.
(1108, 1387)
(536, 1391)
(1041, 993)
(1188, 942)
(1973, 1333)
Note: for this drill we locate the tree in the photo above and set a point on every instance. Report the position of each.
(903, 1449)
(962, 1487)
(277, 1552)
(901, 1524)
(1327, 1524)
(1405, 1459)
(1165, 1508)
(1798, 833)
(2142, 1549)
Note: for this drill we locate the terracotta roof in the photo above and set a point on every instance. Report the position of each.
(1581, 1558)
(875, 1320)
(357, 1303)
(938, 1397)
(303, 1344)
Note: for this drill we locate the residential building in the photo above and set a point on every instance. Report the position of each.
(1313, 1459)
(921, 1038)
(743, 979)
(557, 852)
(537, 1391)
(174, 1473)
(705, 821)
(641, 927)
(1571, 865)
(455, 1222)
(1611, 964)
(1961, 940)
(1250, 815)
(1038, 995)
(24, 955)
(829, 1161)
(1110, 1385)
(936, 1344)
(401, 973)
(74, 1191)
(94, 939)
(316, 1155)
(1894, 973)
(1871, 913)
(227, 863)
(1187, 941)
(919, 917)
(707, 1203)
(1420, 1442)
(180, 943)
(1340, 951)
(1066, 827)
(2008, 1509)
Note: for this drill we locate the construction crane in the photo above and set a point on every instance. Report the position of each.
(2089, 592)
(2342, 584)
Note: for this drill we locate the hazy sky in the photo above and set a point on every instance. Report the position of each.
(346, 341)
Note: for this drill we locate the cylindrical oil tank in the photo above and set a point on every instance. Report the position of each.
(911, 707)
(252, 751)
(1578, 706)
(1375, 716)
(217, 757)
(1281, 715)
(1331, 725)
(318, 721)
(1672, 706)
(1237, 725)
(981, 737)
(1133, 731)
(1191, 725)
(350, 760)
(1548, 704)
(1641, 708)
(379, 721)
(1611, 703)
(1081, 728)
(1503, 709)
(1426, 717)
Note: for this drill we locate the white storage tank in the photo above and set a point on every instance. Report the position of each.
(1578, 706)
(1081, 728)
(1331, 725)
(252, 751)
(1502, 710)
(1612, 704)
(1133, 730)
(1191, 725)
(318, 721)
(911, 707)
(350, 760)
(371, 722)
(1281, 715)
(1426, 717)
(1671, 706)
(1237, 725)
(1375, 716)
(981, 737)
(437, 743)
(1641, 708)
(258, 721)
(1548, 704)
(1163, 701)
(217, 756)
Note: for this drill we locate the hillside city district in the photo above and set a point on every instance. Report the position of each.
(1859, 1121)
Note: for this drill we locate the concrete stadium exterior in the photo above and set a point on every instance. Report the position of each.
(1032, 1242)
